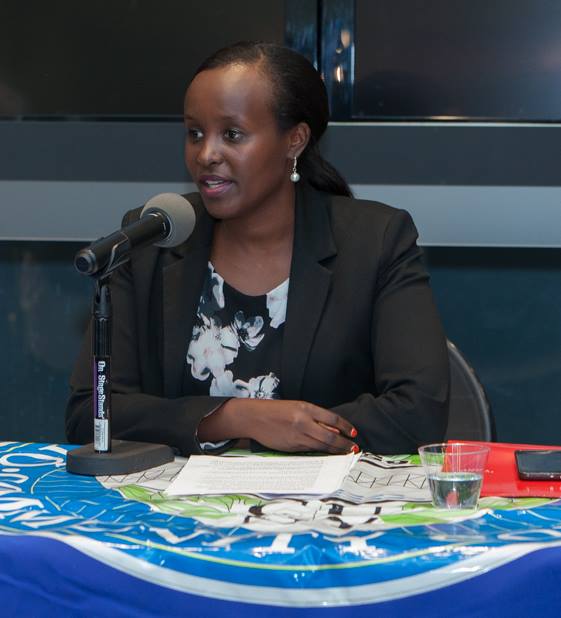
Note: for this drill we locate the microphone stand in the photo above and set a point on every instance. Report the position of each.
(105, 456)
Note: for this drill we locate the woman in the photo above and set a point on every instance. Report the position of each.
(295, 315)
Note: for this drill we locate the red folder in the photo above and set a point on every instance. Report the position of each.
(501, 475)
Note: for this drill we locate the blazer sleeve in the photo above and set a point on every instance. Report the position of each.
(408, 405)
(138, 409)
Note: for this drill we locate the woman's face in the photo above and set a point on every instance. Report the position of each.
(234, 150)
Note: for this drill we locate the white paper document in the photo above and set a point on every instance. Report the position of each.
(265, 476)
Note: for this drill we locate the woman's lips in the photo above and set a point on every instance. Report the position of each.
(212, 186)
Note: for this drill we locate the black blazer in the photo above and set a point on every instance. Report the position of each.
(362, 335)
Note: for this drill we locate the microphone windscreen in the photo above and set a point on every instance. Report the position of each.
(179, 214)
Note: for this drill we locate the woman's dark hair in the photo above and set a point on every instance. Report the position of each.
(299, 95)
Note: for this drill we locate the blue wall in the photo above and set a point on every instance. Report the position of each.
(44, 308)
(502, 308)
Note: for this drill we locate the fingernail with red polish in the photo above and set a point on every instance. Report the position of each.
(354, 433)
(355, 449)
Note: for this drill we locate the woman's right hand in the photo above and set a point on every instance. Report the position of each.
(281, 425)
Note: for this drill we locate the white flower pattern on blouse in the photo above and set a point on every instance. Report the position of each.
(248, 331)
(214, 346)
(276, 304)
(261, 387)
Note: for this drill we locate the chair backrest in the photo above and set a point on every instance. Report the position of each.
(470, 416)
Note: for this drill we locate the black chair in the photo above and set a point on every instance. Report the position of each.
(470, 415)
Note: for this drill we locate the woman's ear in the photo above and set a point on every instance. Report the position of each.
(299, 136)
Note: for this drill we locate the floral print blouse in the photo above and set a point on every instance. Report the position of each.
(235, 348)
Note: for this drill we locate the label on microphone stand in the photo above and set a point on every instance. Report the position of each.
(101, 436)
(102, 403)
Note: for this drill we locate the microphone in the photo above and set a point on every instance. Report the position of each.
(166, 220)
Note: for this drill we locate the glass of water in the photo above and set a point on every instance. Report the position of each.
(455, 473)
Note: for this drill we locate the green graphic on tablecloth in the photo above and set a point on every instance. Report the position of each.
(388, 489)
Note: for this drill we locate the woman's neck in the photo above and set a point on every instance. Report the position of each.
(254, 254)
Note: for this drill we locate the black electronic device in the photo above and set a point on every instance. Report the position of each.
(539, 465)
(167, 220)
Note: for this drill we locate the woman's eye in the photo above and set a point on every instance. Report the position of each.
(233, 135)
(194, 134)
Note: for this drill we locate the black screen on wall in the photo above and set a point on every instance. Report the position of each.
(117, 57)
(466, 59)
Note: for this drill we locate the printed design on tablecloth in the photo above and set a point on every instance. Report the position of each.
(373, 474)
(241, 540)
(392, 492)
(216, 344)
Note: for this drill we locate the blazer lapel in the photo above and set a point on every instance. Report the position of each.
(182, 281)
(143, 266)
(309, 286)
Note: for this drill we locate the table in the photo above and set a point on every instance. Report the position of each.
(117, 546)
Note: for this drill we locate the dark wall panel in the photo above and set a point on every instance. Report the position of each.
(501, 307)
(457, 59)
(108, 58)
(400, 153)
(44, 306)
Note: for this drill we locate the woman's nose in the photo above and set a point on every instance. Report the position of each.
(209, 152)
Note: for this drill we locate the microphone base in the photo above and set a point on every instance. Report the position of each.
(125, 458)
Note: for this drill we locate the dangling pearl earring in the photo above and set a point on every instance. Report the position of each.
(295, 176)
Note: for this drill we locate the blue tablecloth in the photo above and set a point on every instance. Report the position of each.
(83, 546)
